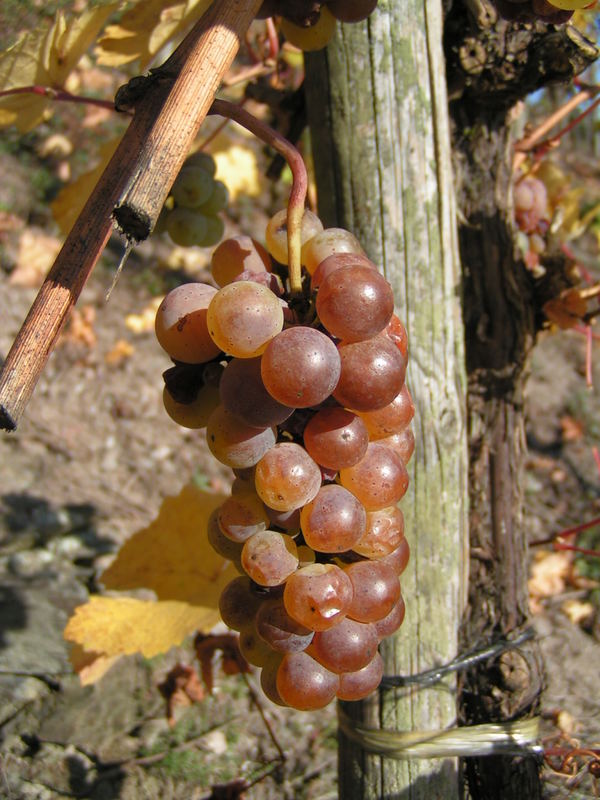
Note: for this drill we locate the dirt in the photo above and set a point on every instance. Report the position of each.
(89, 465)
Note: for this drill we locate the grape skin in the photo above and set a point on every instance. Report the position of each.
(336, 438)
(358, 685)
(234, 443)
(372, 373)
(286, 477)
(334, 521)
(276, 233)
(305, 684)
(181, 324)
(318, 596)
(378, 480)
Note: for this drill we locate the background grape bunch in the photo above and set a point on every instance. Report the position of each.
(190, 215)
(304, 396)
(554, 12)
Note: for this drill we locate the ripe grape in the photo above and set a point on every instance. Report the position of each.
(335, 262)
(235, 443)
(275, 626)
(241, 516)
(300, 367)
(268, 679)
(379, 479)
(397, 333)
(351, 10)
(355, 303)
(235, 255)
(360, 684)
(276, 233)
(372, 373)
(390, 419)
(334, 521)
(244, 395)
(336, 437)
(225, 547)
(288, 520)
(305, 684)
(318, 596)
(403, 443)
(269, 557)
(327, 243)
(376, 590)
(192, 415)
(254, 649)
(398, 558)
(239, 603)
(243, 317)
(181, 324)
(310, 38)
(383, 534)
(390, 624)
(286, 477)
(346, 647)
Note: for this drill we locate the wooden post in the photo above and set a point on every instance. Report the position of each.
(378, 113)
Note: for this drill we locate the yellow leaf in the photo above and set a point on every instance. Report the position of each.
(172, 556)
(238, 168)
(45, 57)
(145, 28)
(68, 203)
(115, 626)
(89, 666)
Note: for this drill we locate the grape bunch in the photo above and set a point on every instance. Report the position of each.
(554, 12)
(310, 24)
(303, 395)
(190, 215)
(532, 218)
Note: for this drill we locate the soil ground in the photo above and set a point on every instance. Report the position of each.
(90, 464)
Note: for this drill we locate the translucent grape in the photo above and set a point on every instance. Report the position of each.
(238, 254)
(192, 415)
(355, 303)
(360, 684)
(276, 233)
(239, 603)
(376, 590)
(390, 624)
(244, 395)
(398, 558)
(327, 243)
(334, 521)
(336, 438)
(397, 333)
(383, 534)
(243, 317)
(372, 373)
(268, 679)
(335, 262)
(304, 684)
(275, 626)
(254, 649)
(390, 419)
(225, 547)
(347, 647)
(186, 227)
(269, 557)
(181, 324)
(300, 367)
(286, 477)
(192, 187)
(241, 516)
(234, 443)
(403, 443)
(378, 480)
(318, 595)
(215, 228)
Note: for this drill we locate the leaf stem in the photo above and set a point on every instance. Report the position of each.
(60, 95)
(299, 179)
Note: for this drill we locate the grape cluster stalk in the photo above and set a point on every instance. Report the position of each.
(304, 396)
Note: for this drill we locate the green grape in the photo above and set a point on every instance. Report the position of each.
(215, 228)
(193, 186)
(217, 201)
(186, 227)
(203, 160)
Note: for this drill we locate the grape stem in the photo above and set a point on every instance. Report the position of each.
(299, 179)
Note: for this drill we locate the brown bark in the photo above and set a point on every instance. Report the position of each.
(491, 65)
